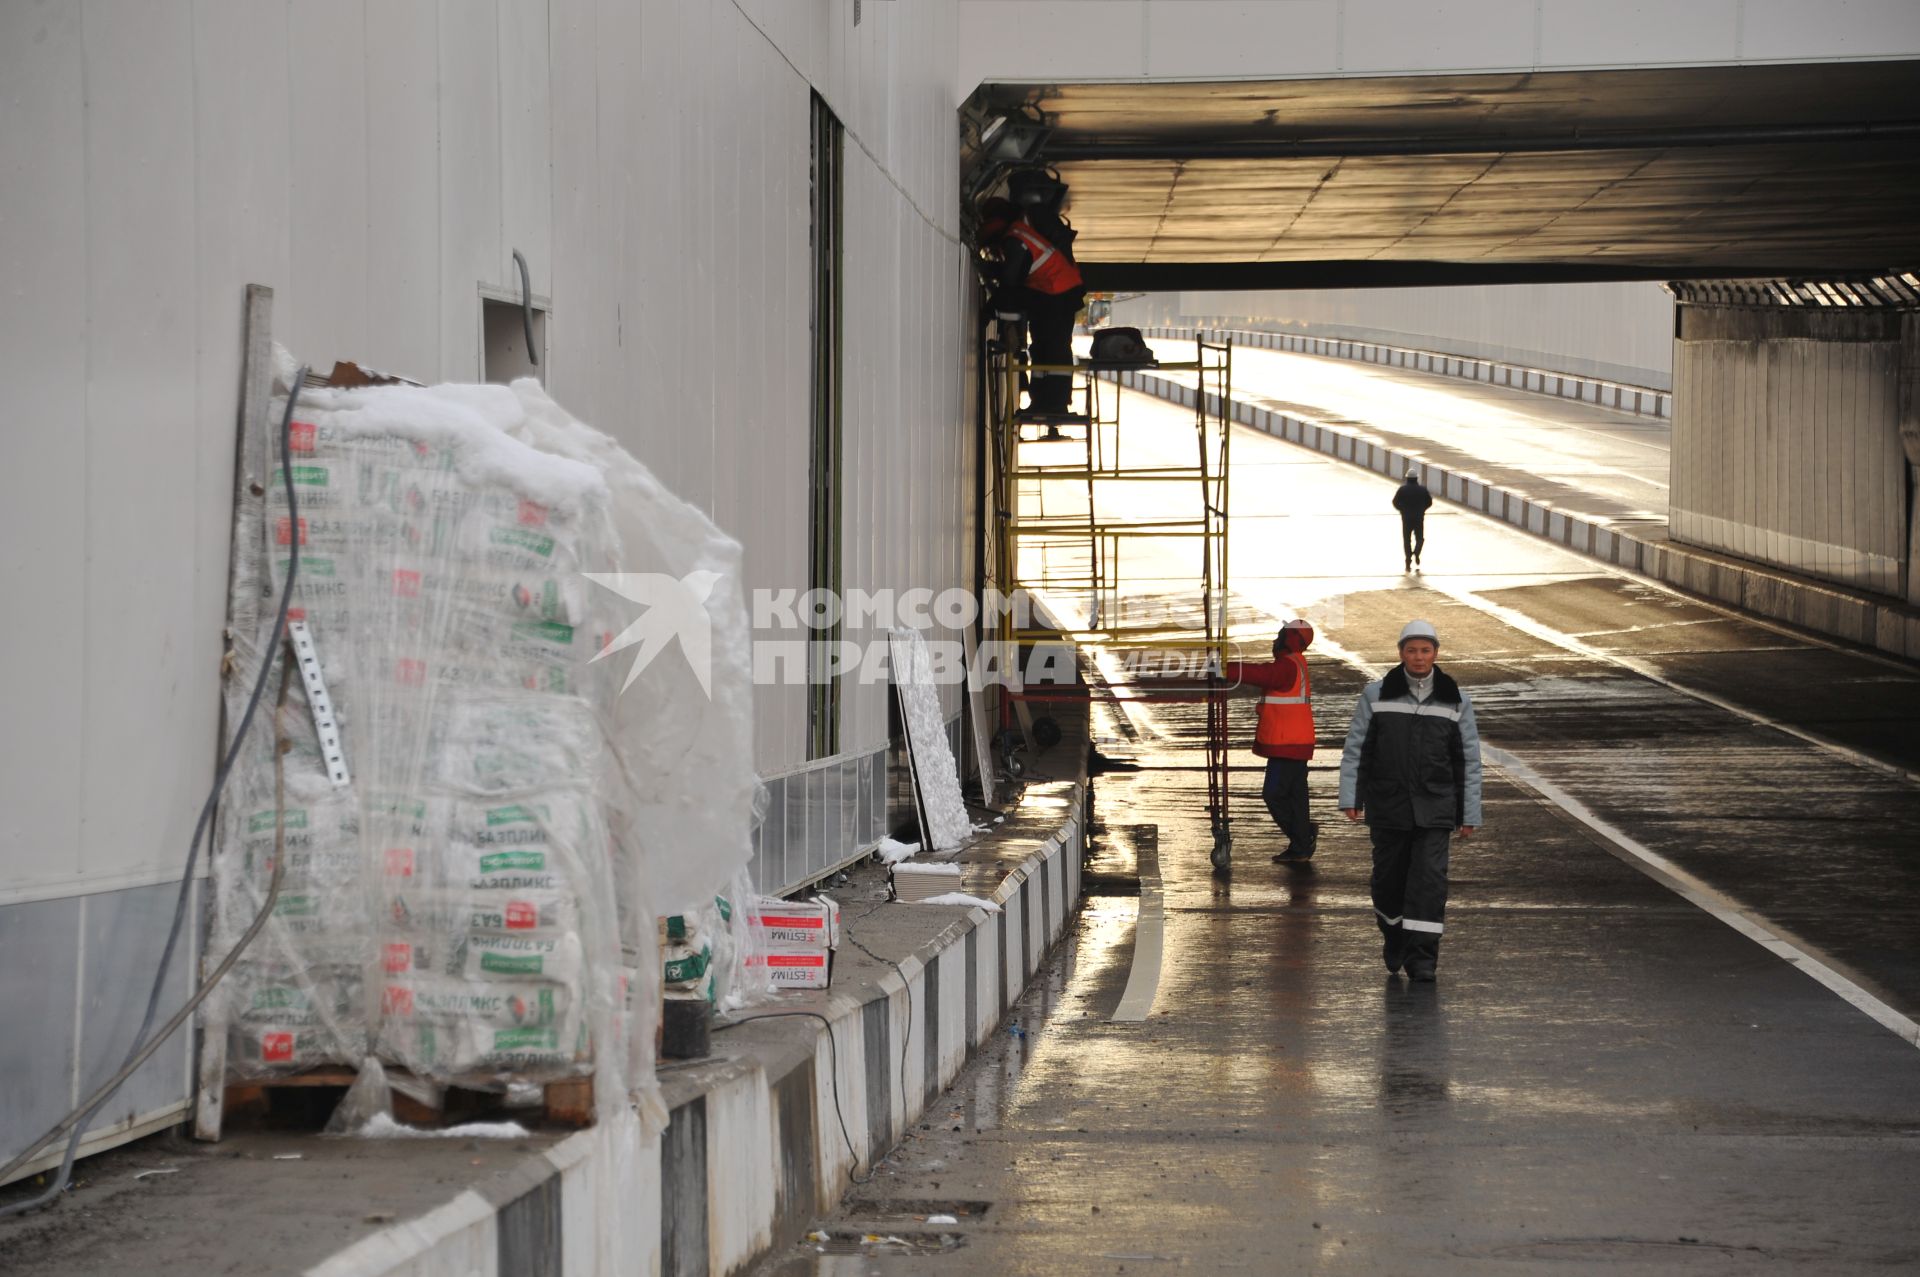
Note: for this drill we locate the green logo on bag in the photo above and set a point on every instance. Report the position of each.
(298, 907)
(501, 964)
(499, 860)
(546, 631)
(526, 1040)
(262, 821)
(525, 540)
(305, 476)
(310, 567)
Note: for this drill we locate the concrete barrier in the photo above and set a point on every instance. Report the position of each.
(1641, 401)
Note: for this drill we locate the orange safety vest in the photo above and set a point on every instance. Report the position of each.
(1053, 272)
(1286, 718)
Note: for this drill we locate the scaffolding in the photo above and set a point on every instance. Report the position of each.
(1120, 535)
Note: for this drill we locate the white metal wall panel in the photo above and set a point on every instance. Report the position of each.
(1068, 40)
(1646, 33)
(1795, 30)
(1787, 451)
(43, 342)
(1621, 332)
(322, 305)
(402, 267)
(377, 168)
(138, 526)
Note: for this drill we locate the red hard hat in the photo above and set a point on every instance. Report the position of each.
(996, 215)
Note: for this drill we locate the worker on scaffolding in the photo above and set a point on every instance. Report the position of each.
(1033, 276)
(1284, 735)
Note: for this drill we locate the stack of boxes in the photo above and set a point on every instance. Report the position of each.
(796, 940)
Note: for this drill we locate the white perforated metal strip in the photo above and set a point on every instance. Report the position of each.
(332, 751)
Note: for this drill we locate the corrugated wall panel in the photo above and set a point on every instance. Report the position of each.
(1787, 451)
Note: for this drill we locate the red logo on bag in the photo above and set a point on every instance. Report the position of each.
(410, 673)
(399, 862)
(399, 957)
(296, 614)
(283, 532)
(398, 1000)
(406, 584)
(522, 915)
(302, 433)
(276, 1048)
(532, 513)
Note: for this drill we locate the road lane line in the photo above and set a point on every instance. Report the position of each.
(1703, 896)
(1149, 937)
(1693, 890)
(1567, 642)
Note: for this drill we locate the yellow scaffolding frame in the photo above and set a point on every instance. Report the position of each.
(1074, 556)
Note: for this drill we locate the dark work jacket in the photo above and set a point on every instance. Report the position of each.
(1411, 499)
(1410, 764)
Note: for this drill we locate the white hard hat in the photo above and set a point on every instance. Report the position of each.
(1420, 629)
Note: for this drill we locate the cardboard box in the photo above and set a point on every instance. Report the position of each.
(797, 940)
(799, 970)
(924, 881)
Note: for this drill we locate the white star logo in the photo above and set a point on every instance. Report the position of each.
(676, 607)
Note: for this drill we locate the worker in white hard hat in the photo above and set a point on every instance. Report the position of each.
(1412, 768)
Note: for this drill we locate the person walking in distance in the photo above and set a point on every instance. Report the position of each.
(1412, 768)
(1411, 499)
(1284, 735)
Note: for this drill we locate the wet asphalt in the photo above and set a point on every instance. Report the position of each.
(1606, 1077)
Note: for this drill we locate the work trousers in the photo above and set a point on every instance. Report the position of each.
(1286, 795)
(1410, 889)
(1050, 329)
(1413, 534)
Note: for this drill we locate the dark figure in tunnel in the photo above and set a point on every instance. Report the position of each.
(1411, 499)
(1412, 766)
(1034, 277)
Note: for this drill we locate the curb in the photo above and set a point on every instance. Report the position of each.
(1888, 627)
(1641, 401)
(746, 1163)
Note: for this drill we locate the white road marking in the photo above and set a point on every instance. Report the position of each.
(1149, 938)
(1705, 897)
(1567, 642)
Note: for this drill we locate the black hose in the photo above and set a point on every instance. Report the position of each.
(526, 307)
(138, 1053)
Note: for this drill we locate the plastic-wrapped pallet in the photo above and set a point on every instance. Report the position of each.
(476, 903)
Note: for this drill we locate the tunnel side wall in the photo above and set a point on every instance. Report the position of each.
(378, 167)
(1786, 441)
(1614, 332)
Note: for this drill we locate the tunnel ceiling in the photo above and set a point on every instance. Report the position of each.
(1674, 173)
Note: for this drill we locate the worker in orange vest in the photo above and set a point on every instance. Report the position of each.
(1036, 278)
(1284, 736)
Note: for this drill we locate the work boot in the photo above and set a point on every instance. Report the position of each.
(1391, 951)
(1409, 564)
(1422, 972)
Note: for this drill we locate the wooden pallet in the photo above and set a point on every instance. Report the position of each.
(568, 1102)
